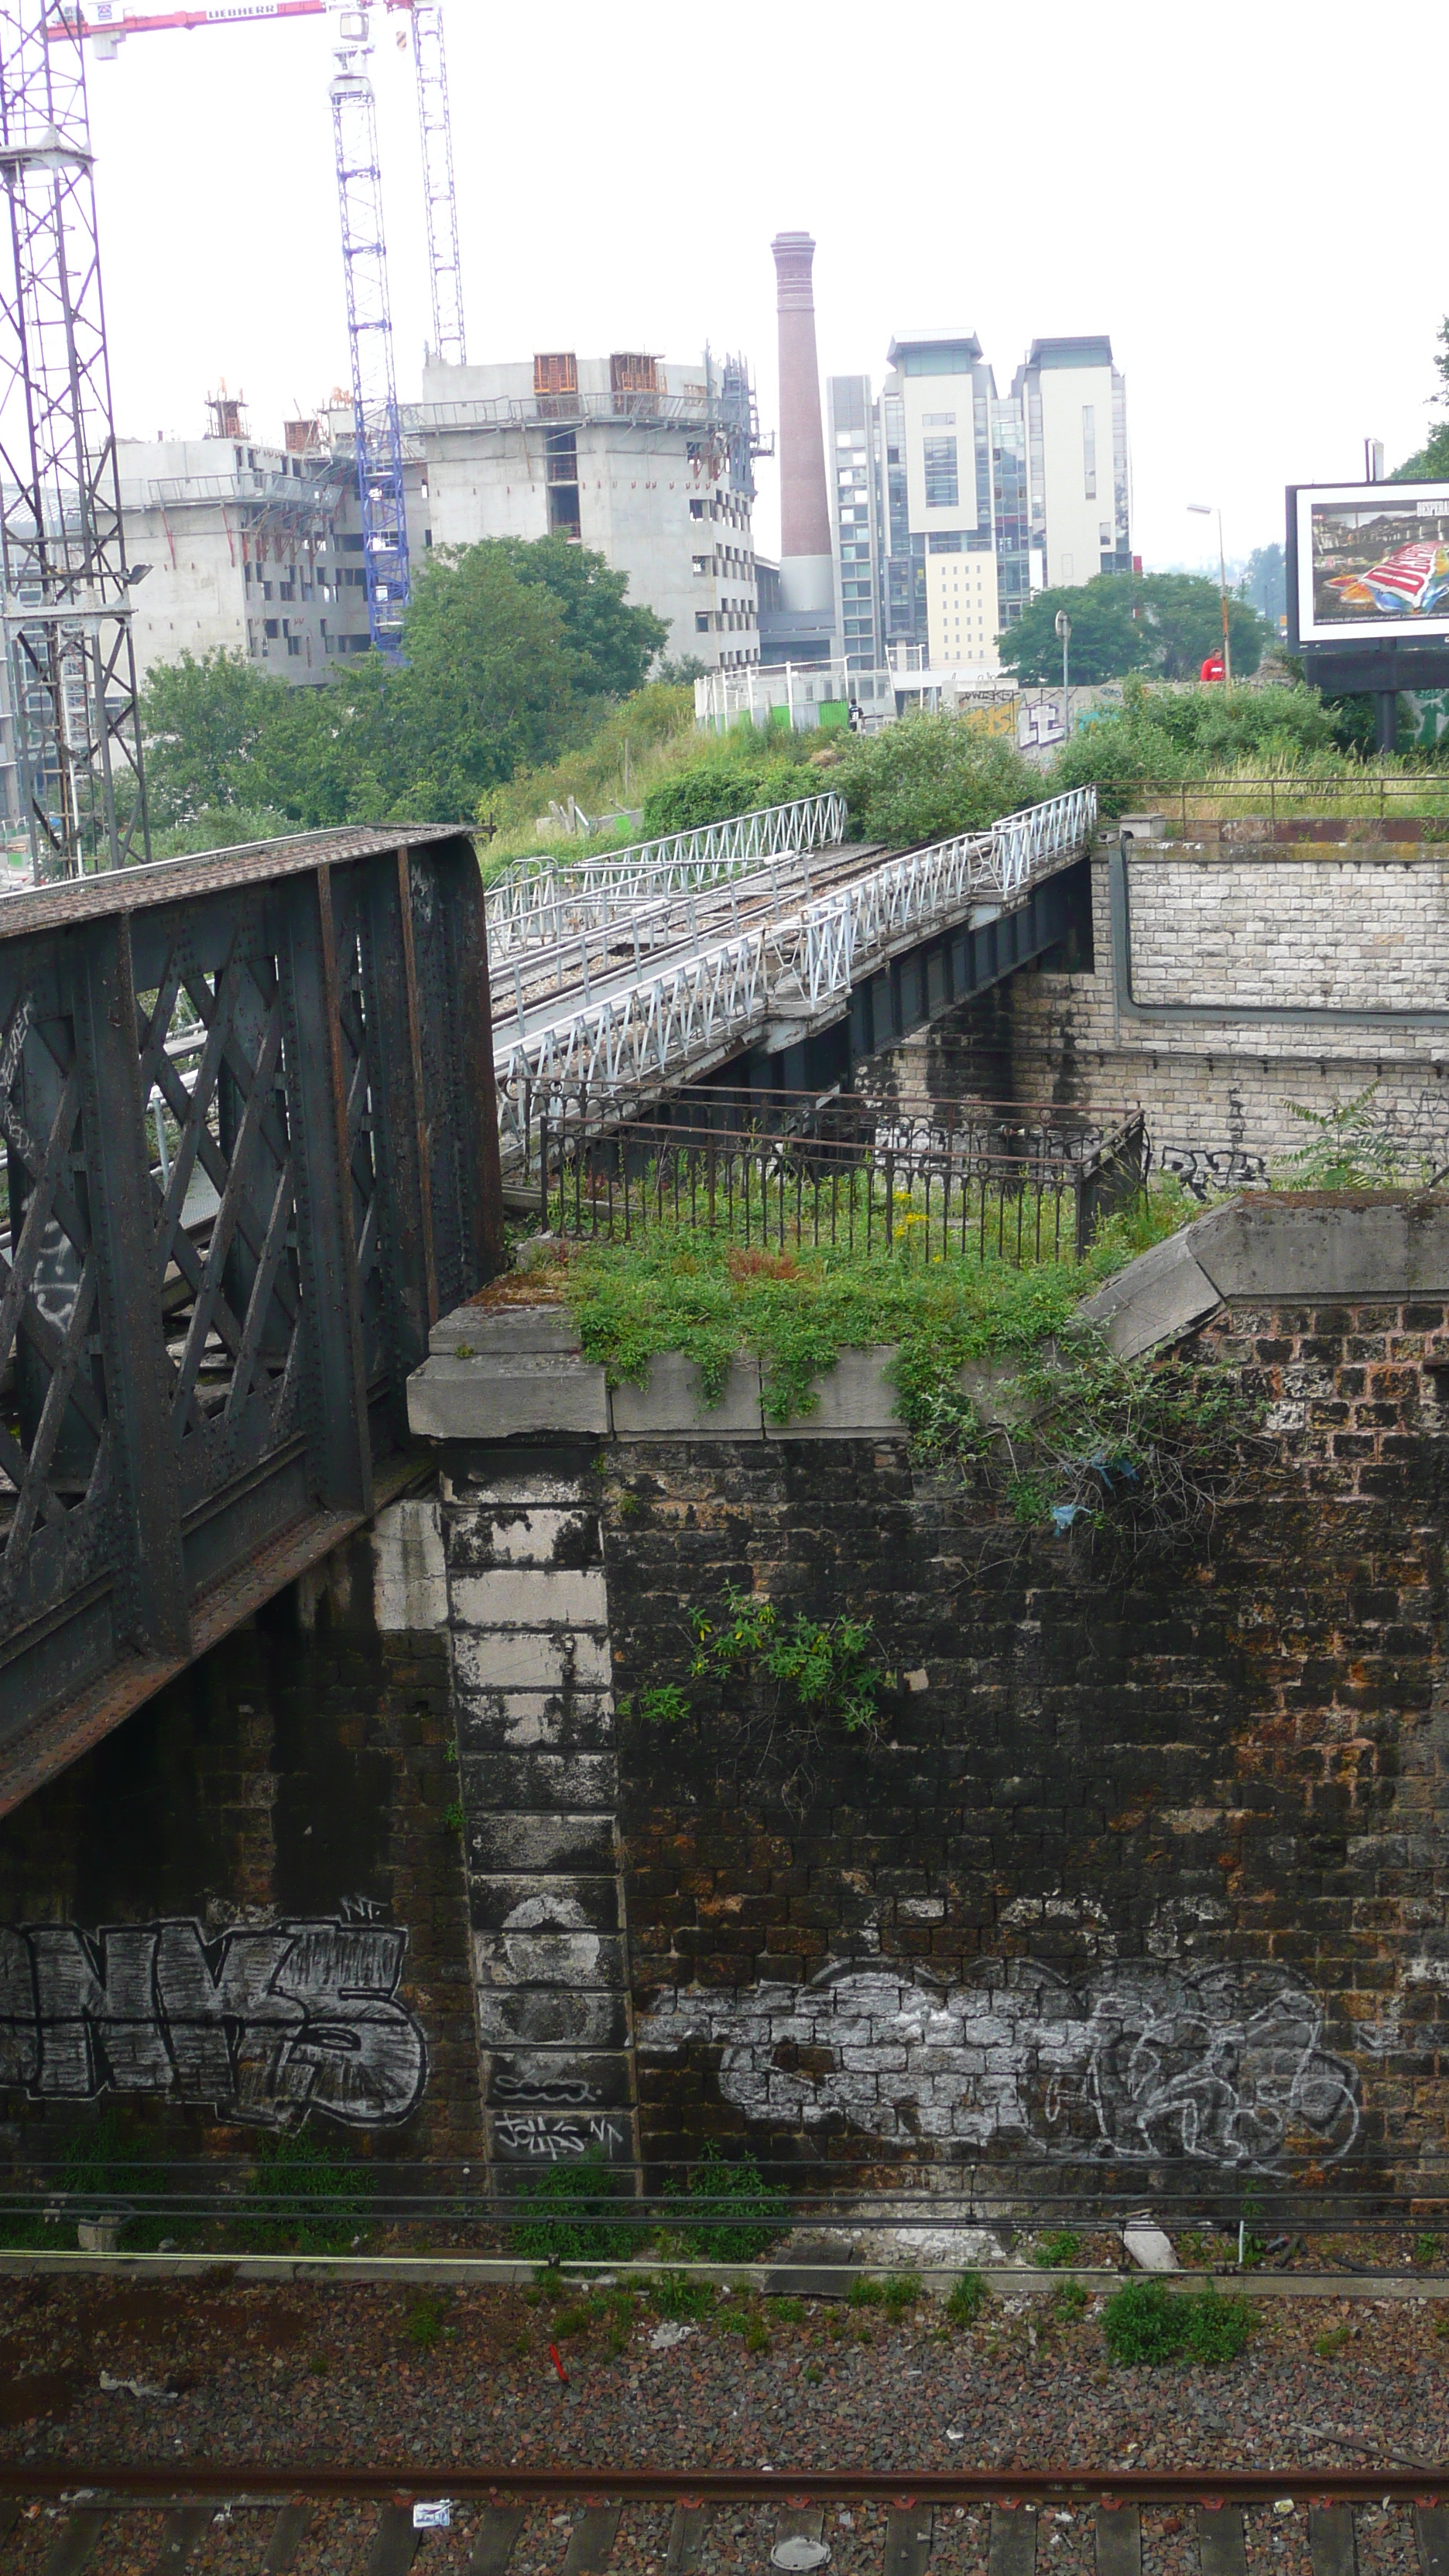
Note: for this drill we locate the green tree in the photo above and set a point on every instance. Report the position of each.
(1430, 464)
(1265, 583)
(204, 721)
(487, 685)
(1107, 641)
(611, 644)
(1184, 617)
(929, 777)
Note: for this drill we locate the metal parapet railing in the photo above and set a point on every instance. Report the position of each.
(843, 1177)
(711, 993)
(536, 906)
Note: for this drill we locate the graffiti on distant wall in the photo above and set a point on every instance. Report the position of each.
(1135, 2059)
(262, 2025)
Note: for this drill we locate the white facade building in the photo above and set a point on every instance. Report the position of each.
(1074, 406)
(646, 462)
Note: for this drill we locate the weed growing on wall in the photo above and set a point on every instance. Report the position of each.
(1132, 1450)
(309, 2199)
(566, 2214)
(781, 1688)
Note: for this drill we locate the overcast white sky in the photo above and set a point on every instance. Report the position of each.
(1253, 215)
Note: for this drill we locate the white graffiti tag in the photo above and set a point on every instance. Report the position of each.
(1139, 2059)
(263, 2025)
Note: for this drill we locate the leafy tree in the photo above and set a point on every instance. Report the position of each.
(682, 672)
(1167, 622)
(1108, 639)
(1430, 464)
(610, 643)
(931, 776)
(204, 721)
(1166, 734)
(1184, 615)
(1265, 583)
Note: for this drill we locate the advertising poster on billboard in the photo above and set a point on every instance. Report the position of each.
(1372, 563)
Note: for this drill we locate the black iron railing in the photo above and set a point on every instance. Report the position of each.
(838, 1174)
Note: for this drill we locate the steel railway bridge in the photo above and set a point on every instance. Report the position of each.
(256, 1111)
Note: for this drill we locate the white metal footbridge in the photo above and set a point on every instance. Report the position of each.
(655, 964)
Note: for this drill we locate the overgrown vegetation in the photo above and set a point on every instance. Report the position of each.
(930, 776)
(1356, 1144)
(513, 653)
(726, 2212)
(568, 2214)
(1145, 2323)
(696, 1289)
(310, 2198)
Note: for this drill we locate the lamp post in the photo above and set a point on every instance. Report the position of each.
(1064, 630)
(1207, 510)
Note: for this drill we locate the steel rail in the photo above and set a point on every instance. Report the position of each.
(90, 2483)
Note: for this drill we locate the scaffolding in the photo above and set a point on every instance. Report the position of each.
(66, 608)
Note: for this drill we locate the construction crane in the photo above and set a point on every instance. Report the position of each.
(66, 604)
(377, 426)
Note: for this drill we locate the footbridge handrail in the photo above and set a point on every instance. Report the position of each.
(527, 907)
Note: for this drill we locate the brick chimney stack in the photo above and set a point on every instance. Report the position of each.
(807, 573)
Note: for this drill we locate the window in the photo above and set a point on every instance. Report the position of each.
(700, 565)
(1089, 450)
(271, 629)
(696, 509)
(701, 621)
(943, 491)
(938, 420)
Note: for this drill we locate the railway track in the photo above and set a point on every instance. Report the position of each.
(196, 2520)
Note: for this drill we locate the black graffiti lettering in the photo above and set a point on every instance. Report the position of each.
(262, 2025)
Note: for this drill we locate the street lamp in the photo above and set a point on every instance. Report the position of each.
(1064, 631)
(1208, 510)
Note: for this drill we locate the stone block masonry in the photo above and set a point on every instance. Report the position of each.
(1321, 949)
(533, 1696)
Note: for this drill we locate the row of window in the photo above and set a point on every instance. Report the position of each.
(722, 621)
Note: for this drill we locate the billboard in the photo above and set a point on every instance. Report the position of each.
(1371, 563)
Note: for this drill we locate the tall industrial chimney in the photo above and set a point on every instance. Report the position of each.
(807, 574)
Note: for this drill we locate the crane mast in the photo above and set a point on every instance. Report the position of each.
(66, 587)
(377, 427)
(435, 132)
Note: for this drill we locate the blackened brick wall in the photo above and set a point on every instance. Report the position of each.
(300, 1774)
(1153, 1866)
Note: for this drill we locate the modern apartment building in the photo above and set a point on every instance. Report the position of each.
(648, 462)
(857, 498)
(248, 548)
(956, 503)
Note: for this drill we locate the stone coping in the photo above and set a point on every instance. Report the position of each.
(483, 2271)
(518, 1371)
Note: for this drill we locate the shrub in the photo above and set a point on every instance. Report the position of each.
(739, 2214)
(866, 2294)
(568, 2219)
(730, 775)
(929, 777)
(901, 2290)
(1145, 2324)
(425, 2324)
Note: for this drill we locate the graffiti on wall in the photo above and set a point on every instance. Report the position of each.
(1136, 2058)
(262, 2025)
